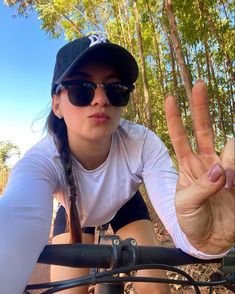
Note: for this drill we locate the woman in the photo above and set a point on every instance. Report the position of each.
(93, 162)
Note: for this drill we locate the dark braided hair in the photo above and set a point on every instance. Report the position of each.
(57, 128)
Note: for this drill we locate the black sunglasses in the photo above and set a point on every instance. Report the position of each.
(81, 93)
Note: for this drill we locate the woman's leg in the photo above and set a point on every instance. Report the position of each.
(133, 221)
(59, 273)
(60, 236)
(142, 231)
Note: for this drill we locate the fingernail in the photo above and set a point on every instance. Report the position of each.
(199, 81)
(229, 179)
(167, 95)
(215, 173)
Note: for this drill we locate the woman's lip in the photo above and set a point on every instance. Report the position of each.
(99, 118)
(99, 115)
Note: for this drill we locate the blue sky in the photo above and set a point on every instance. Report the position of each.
(27, 57)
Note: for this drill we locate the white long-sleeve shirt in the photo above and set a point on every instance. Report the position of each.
(136, 156)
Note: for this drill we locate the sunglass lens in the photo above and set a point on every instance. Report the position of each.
(80, 94)
(118, 94)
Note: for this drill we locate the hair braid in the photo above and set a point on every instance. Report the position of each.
(58, 129)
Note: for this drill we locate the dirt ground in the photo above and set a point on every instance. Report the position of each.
(41, 272)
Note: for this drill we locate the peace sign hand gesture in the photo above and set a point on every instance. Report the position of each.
(204, 200)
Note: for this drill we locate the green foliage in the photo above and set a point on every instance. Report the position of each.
(206, 30)
(7, 150)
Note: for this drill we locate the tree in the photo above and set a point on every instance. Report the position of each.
(177, 46)
(7, 150)
(175, 43)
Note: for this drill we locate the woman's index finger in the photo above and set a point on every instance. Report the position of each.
(176, 128)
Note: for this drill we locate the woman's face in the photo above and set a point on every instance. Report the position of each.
(96, 121)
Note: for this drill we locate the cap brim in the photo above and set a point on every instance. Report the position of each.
(113, 55)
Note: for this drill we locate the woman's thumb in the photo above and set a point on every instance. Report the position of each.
(203, 188)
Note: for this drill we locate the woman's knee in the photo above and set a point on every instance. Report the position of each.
(143, 232)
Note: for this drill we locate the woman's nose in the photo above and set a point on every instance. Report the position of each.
(100, 97)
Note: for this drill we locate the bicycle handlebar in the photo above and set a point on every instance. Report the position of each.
(124, 256)
(106, 256)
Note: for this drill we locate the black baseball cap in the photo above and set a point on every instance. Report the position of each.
(94, 48)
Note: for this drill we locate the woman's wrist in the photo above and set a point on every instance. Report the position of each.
(202, 251)
(209, 248)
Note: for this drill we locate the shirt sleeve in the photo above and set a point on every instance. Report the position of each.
(160, 179)
(25, 219)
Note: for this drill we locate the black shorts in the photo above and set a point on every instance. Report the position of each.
(135, 209)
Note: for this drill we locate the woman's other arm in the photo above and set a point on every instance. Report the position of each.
(25, 218)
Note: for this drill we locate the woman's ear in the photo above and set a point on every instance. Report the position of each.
(56, 106)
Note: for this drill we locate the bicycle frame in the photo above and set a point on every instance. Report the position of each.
(111, 288)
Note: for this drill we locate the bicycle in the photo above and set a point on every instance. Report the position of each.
(121, 260)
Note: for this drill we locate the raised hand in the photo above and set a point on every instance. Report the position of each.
(204, 200)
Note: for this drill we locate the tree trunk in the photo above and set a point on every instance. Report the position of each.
(118, 20)
(231, 104)
(127, 22)
(217, 95)
(210, 91)
(199, 67)
(134, 98)
(156, 49)
(219, 37)
(142, 65)
(178, 49)
(174, 74)
(122, 27)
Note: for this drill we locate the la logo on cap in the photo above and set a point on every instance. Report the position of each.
(97, 39)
